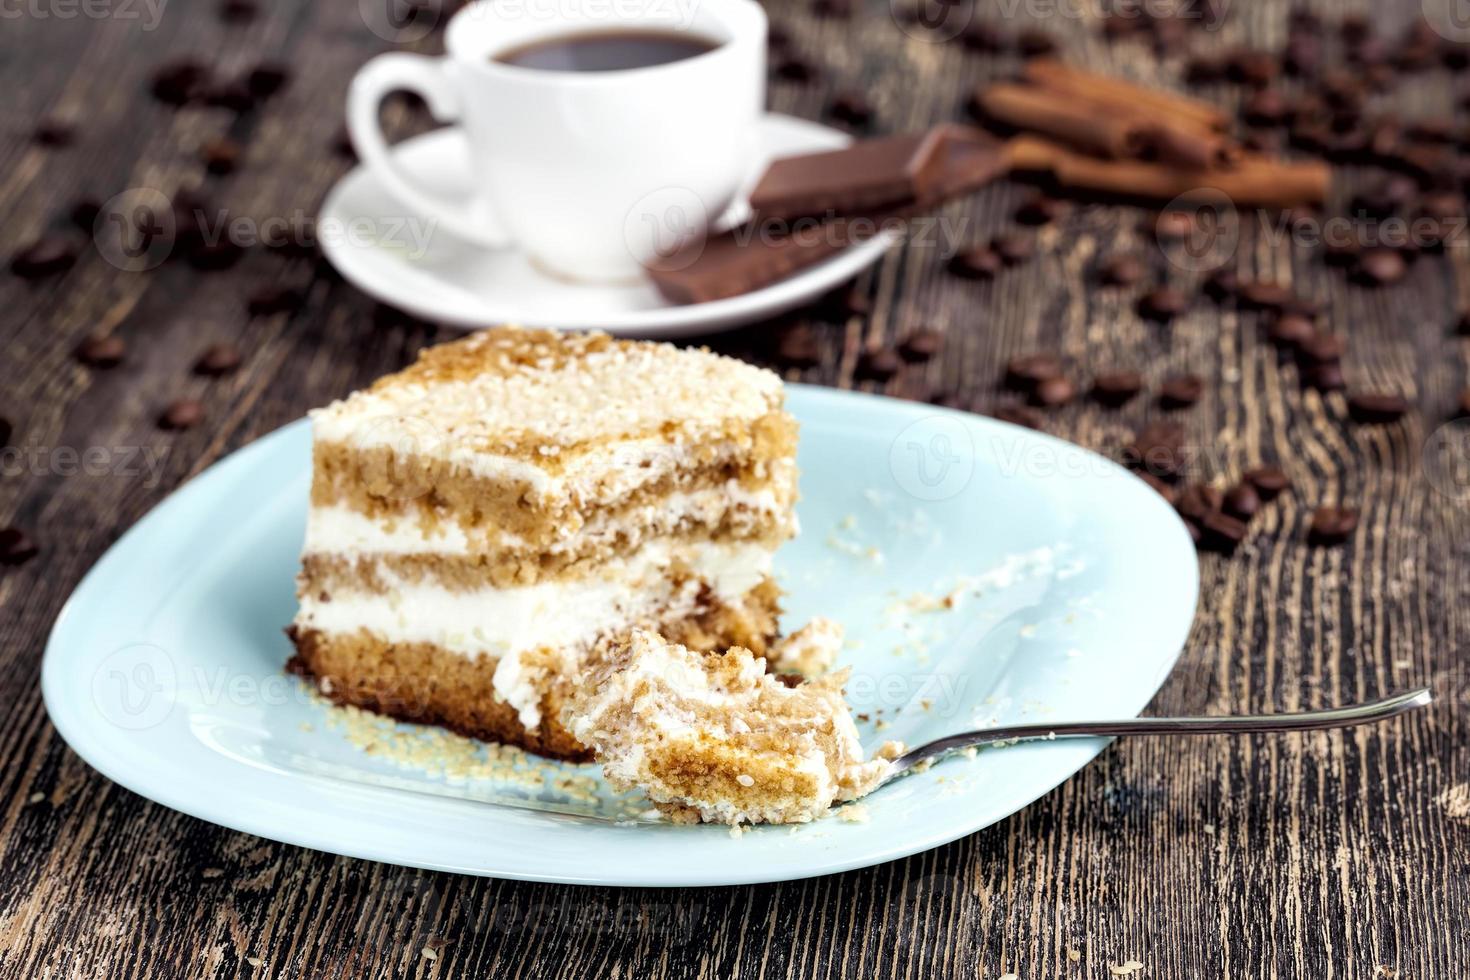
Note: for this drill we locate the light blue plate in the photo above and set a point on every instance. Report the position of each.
(1073, 588)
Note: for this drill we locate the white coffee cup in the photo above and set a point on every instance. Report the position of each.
(590, 173)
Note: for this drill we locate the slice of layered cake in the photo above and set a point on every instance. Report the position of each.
(480, 520)
(716, 737)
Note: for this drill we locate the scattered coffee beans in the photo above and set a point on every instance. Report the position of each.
(1162, 304)
(881, 364)
(1018, 415)
(1013, 249)
(1054, 393)
(976, 263)
(1242, 501)
(1117, 388)
(16, 546)
(1332, 525)
(1026, 372)
(1158, 448)
(49, 255)
(102, 351)
(1122, 270)
(218, 360)
(921, 344)
(1381, 267)
(1270, 482)
(1181, 391)
(182, 414)
(1377, 408)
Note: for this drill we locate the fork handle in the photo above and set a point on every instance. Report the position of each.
(1304, 721)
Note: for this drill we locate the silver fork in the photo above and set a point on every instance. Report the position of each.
(1304, 721)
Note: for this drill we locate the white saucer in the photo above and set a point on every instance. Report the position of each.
(364, 234)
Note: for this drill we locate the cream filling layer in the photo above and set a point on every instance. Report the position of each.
(566, 616)
(335, 529)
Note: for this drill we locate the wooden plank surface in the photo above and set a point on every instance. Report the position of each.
(1323, 856)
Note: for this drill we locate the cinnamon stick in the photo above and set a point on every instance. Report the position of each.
(1256, 182)
(1124, 95)
(1059, 116)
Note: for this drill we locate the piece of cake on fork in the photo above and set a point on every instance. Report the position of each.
(480, 520)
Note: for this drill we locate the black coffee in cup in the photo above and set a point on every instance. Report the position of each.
(610, 50)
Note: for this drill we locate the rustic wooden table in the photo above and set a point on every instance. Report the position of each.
(1338, 854)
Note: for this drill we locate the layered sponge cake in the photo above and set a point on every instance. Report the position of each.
(480, 520)
(715, 737)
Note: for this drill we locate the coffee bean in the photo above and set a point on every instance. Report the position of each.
(1026, 372)
(267, 78)
(1035, 43)
(102, 351)
(238, 11)
(1377, 407)
(794, 69)
(1256, 68)
(1181, 391)
(1162, 304)
(1013, 249)
(1040, 209)
(16, 547)
(6, 431)
(1323, 348)
(952, 399)
(1158, 448)
(178, 83)
(1160, 487)
(1020, 415)
(980, 36)
(47, 256)
(798, 347)
(182, 414)
(1242, 501)
(1267, 107)
(1303, 56)
(1332, 525)
(1386, 197)
(220, 156)
(84, 214)
(1204, 69)
(1291, 330)
(1464, 403)
(1261, 295)
(976, 263)
(1324, 377)
(921, 344)
(1221, 533)
(270, 300)
(218, 360)
(234, 96)
(1117, 388)
(1054, 393)
(1122, 270)
(832, 9)
(53, 133)
(1198, 501)
(1381, 267)
(1270, 481)
(1222, 285)
(851, 108)
(1355, 28)
(879, 365)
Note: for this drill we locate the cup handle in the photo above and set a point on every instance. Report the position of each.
(428, 78)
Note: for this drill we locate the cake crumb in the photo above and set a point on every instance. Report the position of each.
(853, 813)
(1074, 955)
(1125, 969)
(37, 797)
(254, 961)
(429, 954)
(810, 651)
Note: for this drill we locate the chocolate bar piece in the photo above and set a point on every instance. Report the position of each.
(762, 251)
(868, 174)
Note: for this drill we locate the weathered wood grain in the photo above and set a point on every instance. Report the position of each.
(1329, 855)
